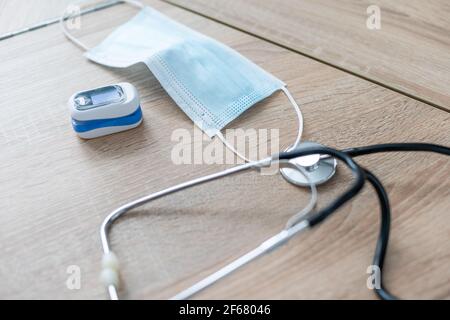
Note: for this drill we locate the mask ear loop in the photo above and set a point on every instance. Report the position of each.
(314, 194)
(66, 16)
(300, 125)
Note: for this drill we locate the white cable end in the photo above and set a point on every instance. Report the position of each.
(109, 277)
(110, 270)
(110, 260)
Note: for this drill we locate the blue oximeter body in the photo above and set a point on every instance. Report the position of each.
(106, 110)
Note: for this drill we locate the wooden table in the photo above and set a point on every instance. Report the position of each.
(356, 87)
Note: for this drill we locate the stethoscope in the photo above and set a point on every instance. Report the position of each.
(308, 163)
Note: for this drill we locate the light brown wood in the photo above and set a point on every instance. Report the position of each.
(55, 189)
(410, 53)
(16, 15)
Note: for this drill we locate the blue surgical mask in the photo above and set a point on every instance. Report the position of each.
(210, 82)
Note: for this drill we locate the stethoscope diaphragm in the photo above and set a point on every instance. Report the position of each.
(318, 168)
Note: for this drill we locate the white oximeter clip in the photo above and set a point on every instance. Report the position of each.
(105, 110)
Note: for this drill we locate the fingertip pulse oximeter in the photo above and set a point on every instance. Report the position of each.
(106, 110)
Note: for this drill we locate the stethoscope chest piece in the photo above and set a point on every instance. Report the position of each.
(319, 169)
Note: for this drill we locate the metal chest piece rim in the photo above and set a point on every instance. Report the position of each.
(318, 168)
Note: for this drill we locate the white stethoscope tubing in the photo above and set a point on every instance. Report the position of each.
(265, 247)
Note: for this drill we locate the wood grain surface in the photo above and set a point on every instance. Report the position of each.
(15, 15)
(410, 53)
(55, 189)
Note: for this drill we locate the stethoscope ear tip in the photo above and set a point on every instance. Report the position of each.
(318, 169)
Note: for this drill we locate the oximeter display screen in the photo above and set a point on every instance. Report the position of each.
(99, 97)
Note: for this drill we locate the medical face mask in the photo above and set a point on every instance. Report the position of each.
(209, 81)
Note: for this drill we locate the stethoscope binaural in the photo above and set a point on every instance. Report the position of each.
(289, 160)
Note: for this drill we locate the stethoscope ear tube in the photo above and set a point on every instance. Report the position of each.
(383, 237)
